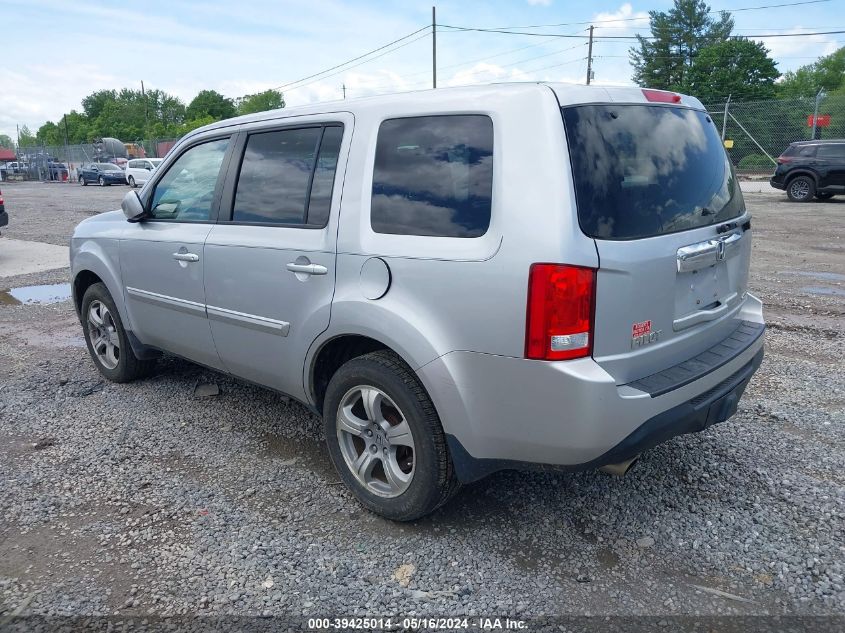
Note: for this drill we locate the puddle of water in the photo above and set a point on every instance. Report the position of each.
(823, 290)
(815, 275)
(49, 293)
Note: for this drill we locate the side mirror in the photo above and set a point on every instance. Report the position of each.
(132, 207)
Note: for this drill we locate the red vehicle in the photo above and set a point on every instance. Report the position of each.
(4, 217)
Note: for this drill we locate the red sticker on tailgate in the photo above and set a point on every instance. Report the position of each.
(638, 329)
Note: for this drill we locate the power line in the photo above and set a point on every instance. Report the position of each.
(642, 18)
(361, 63)
(354, 59)
(630, 37)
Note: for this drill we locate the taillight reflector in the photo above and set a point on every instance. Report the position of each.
(661, 96)
(559, 321)
(782, 160)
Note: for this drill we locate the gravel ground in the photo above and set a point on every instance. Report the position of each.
(144, 499)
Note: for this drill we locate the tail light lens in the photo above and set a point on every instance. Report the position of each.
(783, 160)
(559, 322)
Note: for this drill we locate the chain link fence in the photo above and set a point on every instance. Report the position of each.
(61, 162)
(761, 130)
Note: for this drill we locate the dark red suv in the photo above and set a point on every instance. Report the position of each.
(811, 169)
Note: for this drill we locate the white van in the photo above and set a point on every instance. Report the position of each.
(139, 170)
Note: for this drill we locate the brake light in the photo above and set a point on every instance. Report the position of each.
(559, 321)
(783, 160)
(661, 96)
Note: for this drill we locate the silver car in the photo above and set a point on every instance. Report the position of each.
(458, 281)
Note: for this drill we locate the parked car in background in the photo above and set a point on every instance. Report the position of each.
(57, 171)
(101, 173)
(139, 171)
(4, 217)
(476, 279)
(811, 169)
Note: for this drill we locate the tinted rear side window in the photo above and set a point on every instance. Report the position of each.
(433, 176)
(275, 174)
(642, 171)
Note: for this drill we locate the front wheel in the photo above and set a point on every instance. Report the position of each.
(107, 340)
(102, 181)
(131, 182)
(801, 189)
(385, 438)
(82, 181)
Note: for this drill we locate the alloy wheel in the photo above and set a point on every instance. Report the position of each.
(376, 441)
(102, 332)
(799, 189)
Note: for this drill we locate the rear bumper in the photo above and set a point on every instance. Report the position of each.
(4, 217)
(503, 413)
(777, 184)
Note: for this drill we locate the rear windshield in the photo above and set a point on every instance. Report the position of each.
(642, 170)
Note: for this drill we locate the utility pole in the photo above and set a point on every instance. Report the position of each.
(344, 90)
(590, 57)
(725, 118)
(816, 112)
(144, 97)
(433, 47)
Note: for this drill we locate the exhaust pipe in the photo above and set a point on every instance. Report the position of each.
(621, 468)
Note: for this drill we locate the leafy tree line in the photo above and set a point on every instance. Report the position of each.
(131, 115)
(691, 51)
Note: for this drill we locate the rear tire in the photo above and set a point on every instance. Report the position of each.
(405, 470)
(102, 181)
(106, 338)
(82, 181)
(132, 182)
(801, 189)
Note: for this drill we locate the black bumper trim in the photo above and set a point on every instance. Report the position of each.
(715, 405)
(699, 366)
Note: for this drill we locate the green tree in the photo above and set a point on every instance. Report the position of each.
(26, 138)
(826, 73)
(94, 103)
(678, 36)
(6, 141)
(210, 103)
(737, 67)
(260, 102)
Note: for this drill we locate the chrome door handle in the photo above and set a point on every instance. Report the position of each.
(307, 269)
(186, 257)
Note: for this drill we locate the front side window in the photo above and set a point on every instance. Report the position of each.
(287, 176)
(832, 151)
(186, 191)
(433, 176)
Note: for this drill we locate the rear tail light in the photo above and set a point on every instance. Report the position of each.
(661, 96)
(783, 160)
(559, 322)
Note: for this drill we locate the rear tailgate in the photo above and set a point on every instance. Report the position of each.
(657, 193)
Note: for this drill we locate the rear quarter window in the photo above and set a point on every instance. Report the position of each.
(642, 171)
(433, 176)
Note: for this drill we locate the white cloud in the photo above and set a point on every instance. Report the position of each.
(622, 20)
(542, 3)
(809, 45)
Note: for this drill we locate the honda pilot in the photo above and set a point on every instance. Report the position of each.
(458, 281)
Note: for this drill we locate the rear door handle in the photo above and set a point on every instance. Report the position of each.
(186, 257)
(307, 269)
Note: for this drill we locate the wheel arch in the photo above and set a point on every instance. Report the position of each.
(801, 172)
(330, 351)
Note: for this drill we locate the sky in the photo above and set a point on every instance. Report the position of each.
(57, 52)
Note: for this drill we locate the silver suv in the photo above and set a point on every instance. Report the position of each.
(458, 281)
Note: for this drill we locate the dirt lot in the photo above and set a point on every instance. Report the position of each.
(144, 499)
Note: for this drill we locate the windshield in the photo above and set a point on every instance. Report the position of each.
(107, 167)
(642, 171)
